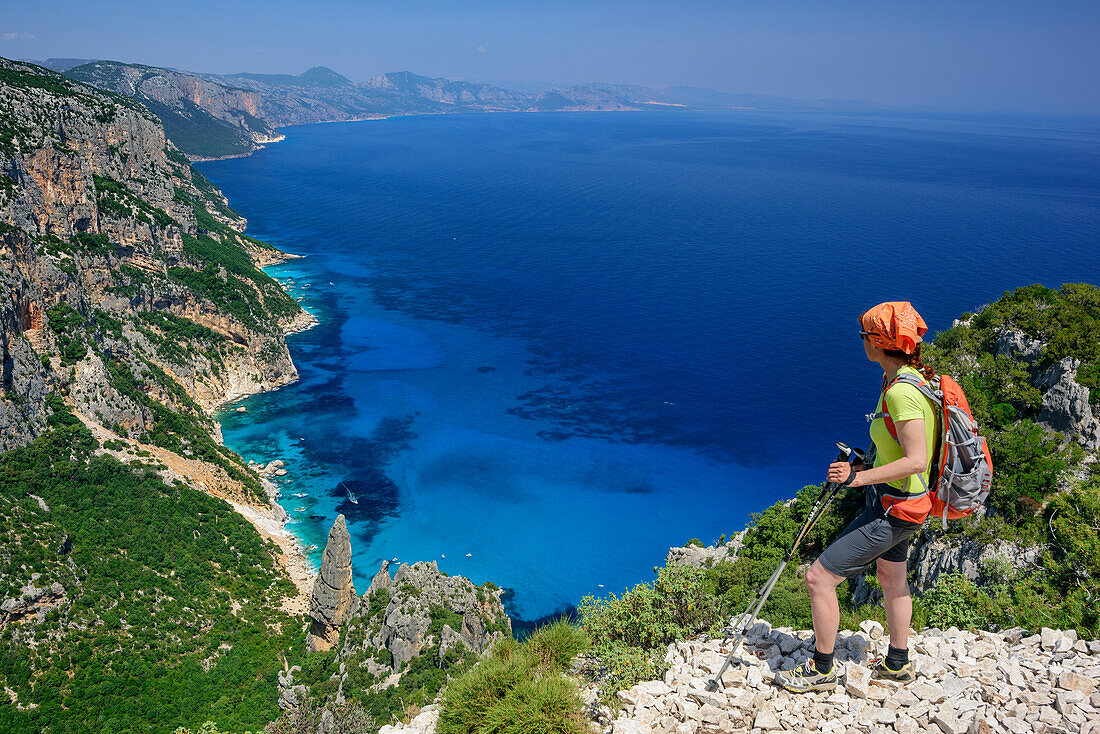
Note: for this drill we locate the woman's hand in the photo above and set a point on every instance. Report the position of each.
(914, 458)
(841, 472)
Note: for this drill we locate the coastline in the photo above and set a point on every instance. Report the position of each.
(271, 519)
(256, 145)
(292, 559)
(204, 159)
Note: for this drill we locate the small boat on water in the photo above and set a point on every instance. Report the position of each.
(300, 494)
(311, 547)
(351, 497)
(299, 509)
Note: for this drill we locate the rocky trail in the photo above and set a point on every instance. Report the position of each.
(967, 683)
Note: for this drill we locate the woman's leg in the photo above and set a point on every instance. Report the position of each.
(822, 583)
(899, 604)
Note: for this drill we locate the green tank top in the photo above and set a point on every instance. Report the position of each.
(904, 402)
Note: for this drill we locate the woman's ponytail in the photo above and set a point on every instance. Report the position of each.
(914, 361)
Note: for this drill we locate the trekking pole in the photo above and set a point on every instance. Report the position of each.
(746, 621)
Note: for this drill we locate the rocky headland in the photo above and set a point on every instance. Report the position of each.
(131, 297)
(212, 116)
(382, 643)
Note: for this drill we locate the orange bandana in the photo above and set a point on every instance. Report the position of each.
(894, 325)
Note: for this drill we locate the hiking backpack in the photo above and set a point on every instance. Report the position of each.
(962, 469)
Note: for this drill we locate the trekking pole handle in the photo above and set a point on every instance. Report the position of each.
(851, 456)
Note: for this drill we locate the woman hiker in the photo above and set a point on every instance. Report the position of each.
(897, 501)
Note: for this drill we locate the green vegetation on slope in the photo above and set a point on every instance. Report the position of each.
(172, 616)
(246, 292)
(116, 199)
(184, 431)
(196, 132)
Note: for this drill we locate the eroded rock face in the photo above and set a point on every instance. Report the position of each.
(1014, 343)
(87, 165)
(31, 601)
(419, 615)
(333, 599)
(417, 592)
(700, 557)
(1066, 403)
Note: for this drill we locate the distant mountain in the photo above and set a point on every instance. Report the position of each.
(59, 65)
(203, 118)
(448, 92)
(213, 115)
(318, 76)
(602, 97)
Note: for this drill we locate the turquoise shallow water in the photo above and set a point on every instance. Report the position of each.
(562, 343)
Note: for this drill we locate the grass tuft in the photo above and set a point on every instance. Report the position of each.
(519, 688)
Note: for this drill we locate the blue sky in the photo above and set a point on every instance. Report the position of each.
(1032, 57)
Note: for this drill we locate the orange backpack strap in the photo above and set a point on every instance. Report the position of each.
(885, 414)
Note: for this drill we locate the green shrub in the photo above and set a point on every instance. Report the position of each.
(1029, 462)
(518, 688)
(555, 645)
(69, 327)
(955, 602)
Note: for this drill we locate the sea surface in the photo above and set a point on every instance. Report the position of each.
(553, 345)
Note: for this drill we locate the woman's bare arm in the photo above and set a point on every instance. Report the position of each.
(913, 461)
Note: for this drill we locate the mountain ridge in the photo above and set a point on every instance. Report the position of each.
(225, 115)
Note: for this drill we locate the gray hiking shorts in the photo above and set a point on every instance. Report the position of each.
(871, 536)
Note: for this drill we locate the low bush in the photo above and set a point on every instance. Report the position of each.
(519, 688)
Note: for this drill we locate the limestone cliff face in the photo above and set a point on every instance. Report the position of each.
(404, 624)
(179, 97)
(333, 599)
(126, 285)
(418, 617)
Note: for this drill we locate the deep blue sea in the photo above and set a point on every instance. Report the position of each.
(553, 345)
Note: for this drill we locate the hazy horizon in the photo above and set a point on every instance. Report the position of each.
(979, 56)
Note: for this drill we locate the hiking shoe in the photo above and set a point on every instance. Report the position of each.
(881, 671)
(805, 678)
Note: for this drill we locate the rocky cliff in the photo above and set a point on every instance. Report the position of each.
(202, 117)
(396, 644)
(131, 306)
(333, 598)
(127, 288)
